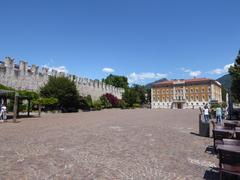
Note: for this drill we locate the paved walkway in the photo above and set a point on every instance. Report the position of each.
(109, 144)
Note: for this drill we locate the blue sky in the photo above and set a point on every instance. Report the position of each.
(144, 40)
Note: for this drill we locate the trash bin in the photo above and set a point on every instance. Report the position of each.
(204, 127)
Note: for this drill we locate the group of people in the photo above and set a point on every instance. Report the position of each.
(3, 113)
(219, 113)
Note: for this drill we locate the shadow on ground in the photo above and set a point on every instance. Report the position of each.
(210, 150)
(211, 174)
(196, 134)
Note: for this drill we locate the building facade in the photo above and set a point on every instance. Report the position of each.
(184, 94)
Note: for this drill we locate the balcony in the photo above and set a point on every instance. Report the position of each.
(179, 100)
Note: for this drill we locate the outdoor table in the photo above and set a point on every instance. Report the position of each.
(231, 148)
(235, 133)
(225, 130)
(235, 122)
(231, 125)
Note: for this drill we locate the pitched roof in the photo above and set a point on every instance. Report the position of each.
(186, 81)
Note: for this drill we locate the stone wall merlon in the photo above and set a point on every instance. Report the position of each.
(23, 66)
(34, 69)
(54, 72)
(45, 71)
(9, 62)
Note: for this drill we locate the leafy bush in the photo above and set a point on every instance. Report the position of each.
(64, 90)
(97, 105)
(85, 103)
(136, 105)
(112, 99)
(23, 108)
(30, 95)
(47, 104)
(105, 102)
(46, 101)
(122, 104)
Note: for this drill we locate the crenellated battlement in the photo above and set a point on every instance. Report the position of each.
(24, 77)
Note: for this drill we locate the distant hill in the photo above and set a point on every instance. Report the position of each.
(148, 86)
(226, 81)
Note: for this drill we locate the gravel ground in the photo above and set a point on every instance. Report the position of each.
(108, 144)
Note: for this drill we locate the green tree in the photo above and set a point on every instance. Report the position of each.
(64, 90)
(235, 73)
(131, 97)
(224, 93)
(117, 81)
(46, 101)
(141, 92)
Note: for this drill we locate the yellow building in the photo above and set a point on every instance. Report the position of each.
(183, 94)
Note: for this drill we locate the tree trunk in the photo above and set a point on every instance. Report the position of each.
(15, 107)
(39, 110)
(29, 102)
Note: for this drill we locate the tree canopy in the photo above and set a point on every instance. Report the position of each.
(64, 90)
(117, 81)
(235, 73)
(141, 92)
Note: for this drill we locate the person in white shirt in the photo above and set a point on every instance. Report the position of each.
(3, 113)
(206, 114)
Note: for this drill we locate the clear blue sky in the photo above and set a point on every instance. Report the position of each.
(144, 40)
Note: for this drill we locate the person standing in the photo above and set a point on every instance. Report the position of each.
(206, 114)
(219, 115)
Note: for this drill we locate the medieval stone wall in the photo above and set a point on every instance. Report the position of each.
(23, 77)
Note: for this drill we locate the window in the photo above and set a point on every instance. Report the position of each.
(203, 90)
(196, 90)
(191, 90)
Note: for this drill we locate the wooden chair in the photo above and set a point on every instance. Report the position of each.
(218, 137)
(230, 125)
(237, 135)
(237, 128)
(229, 162)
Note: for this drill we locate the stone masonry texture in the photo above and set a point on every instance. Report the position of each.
(23, 77)
(109, 144)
